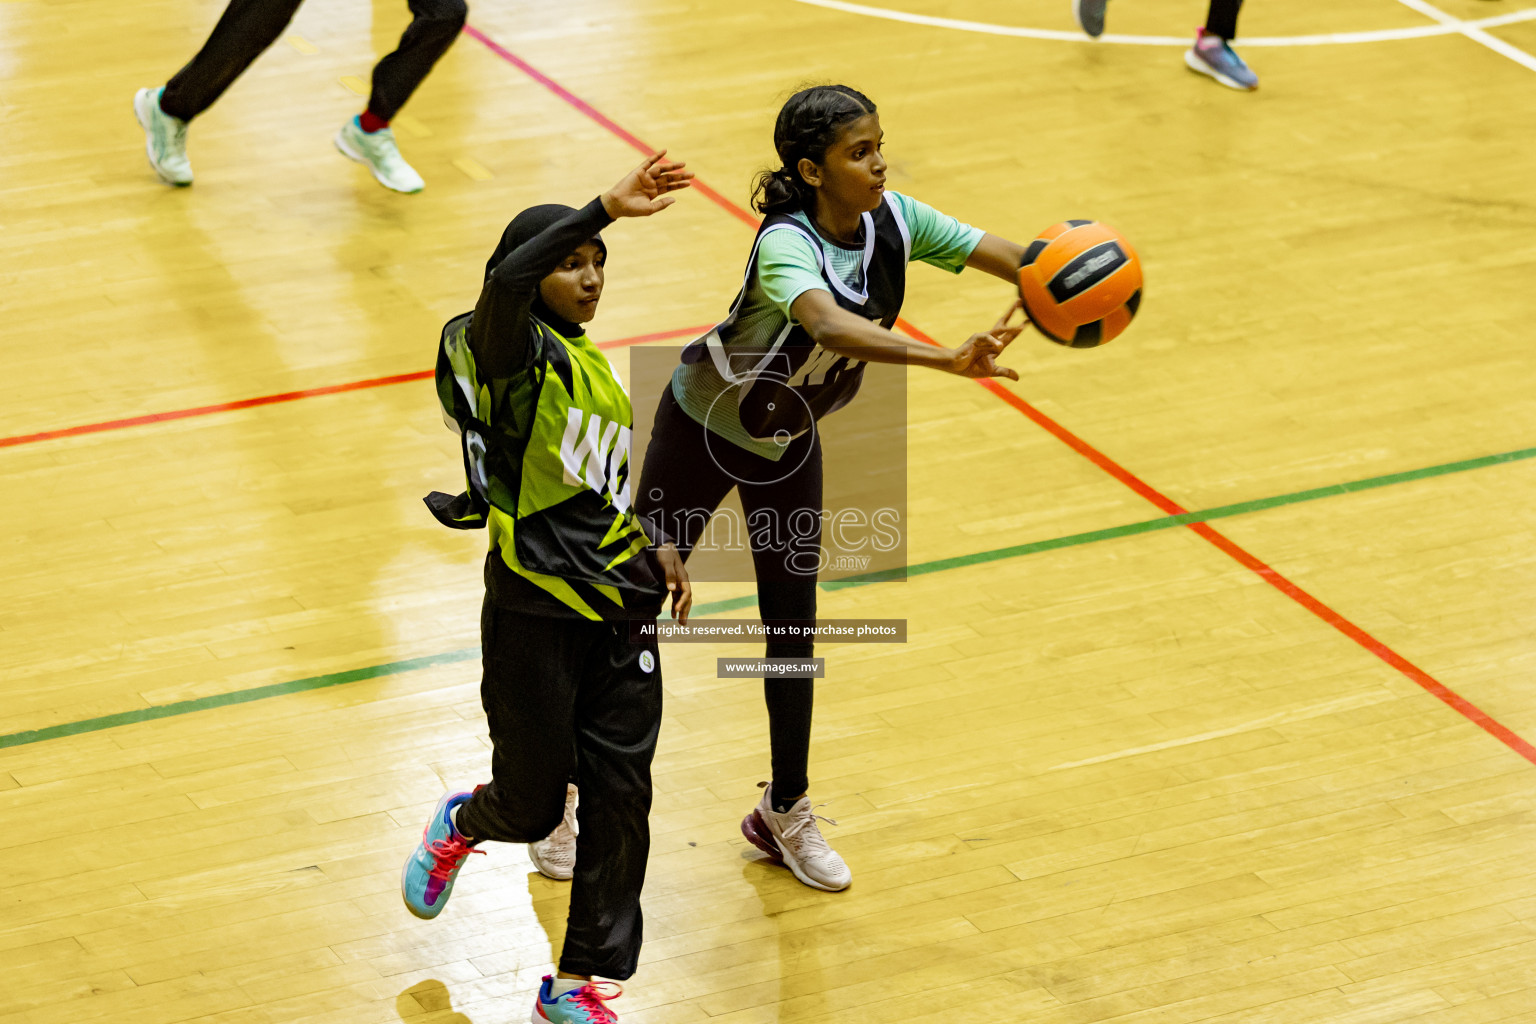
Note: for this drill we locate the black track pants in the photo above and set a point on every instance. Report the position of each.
(682, 482)
(571, 698)
(248, 27)
(1221, 19)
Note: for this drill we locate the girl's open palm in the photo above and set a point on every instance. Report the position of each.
(643, 191)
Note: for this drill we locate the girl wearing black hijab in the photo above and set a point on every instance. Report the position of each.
(545, 427)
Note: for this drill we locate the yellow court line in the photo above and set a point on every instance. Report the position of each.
(414, 128)
(473, 169)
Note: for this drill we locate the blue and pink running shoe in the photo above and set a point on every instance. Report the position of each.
(1212, 55)
(427, 881)
(582, 1006)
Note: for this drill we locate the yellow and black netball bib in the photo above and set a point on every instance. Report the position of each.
(547, 458)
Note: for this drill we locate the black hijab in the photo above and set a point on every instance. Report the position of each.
(525, 227)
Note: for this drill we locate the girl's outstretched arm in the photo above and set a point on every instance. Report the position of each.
(848, 334)
(998, 257)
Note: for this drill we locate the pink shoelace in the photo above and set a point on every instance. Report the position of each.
(447, 854)
(591, 998)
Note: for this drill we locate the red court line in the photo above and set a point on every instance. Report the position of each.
(288, 396)
(1221, 542)
(601, 118)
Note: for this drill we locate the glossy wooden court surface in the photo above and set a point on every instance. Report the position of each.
(1129, 767)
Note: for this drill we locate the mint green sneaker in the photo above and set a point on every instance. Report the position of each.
(165, 138)
(580, 1006)
(378, 151)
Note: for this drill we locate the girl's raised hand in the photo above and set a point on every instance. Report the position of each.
(643, 191)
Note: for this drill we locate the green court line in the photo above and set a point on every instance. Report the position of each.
(1168, 522)
(220, 700)
(183, 707)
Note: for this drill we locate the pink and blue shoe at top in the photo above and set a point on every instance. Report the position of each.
(584, 1005)
(427, 880)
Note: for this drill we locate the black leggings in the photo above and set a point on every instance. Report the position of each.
(248, 27)
(1221, 19)
(682, 482)
(571, 698)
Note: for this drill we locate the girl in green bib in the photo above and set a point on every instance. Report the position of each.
(545, 428)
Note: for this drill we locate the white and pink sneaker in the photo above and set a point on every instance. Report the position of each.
(795, 840)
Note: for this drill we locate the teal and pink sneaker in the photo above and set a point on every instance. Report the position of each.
(427, 880)
(581, 1006)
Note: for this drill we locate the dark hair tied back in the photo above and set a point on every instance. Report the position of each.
(809, 123)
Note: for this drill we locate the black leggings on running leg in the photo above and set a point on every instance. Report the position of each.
(248, 27)
(1221, 19)
(683, 482)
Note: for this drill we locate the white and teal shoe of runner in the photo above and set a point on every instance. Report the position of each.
(427, 879)
(165, 138)
(378, 151)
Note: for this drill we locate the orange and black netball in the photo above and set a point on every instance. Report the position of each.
(1080, 282)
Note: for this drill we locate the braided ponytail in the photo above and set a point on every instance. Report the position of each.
(808, 124)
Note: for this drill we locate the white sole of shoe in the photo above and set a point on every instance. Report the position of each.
(348, 151)
(545, 870)
(142, 116)
(1196, 64)
(755, 827)
(808, 880)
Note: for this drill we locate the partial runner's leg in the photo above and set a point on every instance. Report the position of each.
(367, 138)
(436, 25)
(1221, 18)
(245, 30)
(1212, 53)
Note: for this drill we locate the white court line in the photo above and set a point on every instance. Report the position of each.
(1446, 26)
(1473, 30)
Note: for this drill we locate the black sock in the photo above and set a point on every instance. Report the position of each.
(781, 806)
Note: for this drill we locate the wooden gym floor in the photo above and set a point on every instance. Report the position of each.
(1266, 763)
